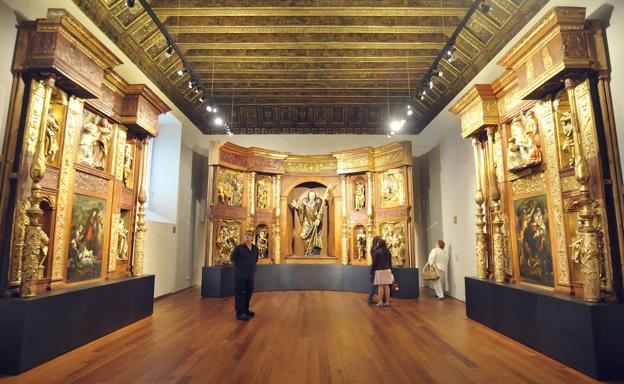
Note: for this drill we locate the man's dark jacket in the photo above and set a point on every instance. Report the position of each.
(244, 261)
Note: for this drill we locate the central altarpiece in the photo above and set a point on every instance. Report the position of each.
(311, 209)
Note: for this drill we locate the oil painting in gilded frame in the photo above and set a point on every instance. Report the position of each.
(86, 242)
(533, 234)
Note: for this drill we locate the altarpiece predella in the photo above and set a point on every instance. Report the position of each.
(76, 157)
(549, 198)
(311, 209)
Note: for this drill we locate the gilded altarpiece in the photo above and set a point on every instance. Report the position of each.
(312, 209)
(543, 162)
(76, 158)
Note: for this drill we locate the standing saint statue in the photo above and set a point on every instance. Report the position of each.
(51, 143)
(310, 212)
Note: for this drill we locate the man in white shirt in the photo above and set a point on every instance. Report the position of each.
(439, 258)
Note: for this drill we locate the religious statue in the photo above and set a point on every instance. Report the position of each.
(102, 144)
(127, 166)
(263, 194)
(122, 247)
(45, 242)
(88, 137)
(360, 195)
(568, 136)
(262, 242)
(310, 212)
(523, 147)
(230, 189)
(361, 245)
(51, 142)
(394, 236)
(392, 188)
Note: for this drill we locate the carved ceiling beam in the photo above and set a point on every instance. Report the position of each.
(323, 11)
(271, 45)
(306, 29)
(206, 55)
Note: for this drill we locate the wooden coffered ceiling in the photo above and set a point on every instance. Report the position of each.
(310, 66)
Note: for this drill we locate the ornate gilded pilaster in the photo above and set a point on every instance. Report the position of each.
(481, 247)
(34, 235)
(498, 242)
(370, 227)
(113, 254)
(74, 116)
(586, 247)
(252, 201)
(345, 221)
(277, 187)
(139, 237)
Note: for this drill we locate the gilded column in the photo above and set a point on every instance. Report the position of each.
(586, 247)
(139, 239)
(74, 117)
(20, 217)
(481, 247)
(120, 149)
(277, 257)
(34, 235)
(498, 242)
(370, 228)
(345, 221)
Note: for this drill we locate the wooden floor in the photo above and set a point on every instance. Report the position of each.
(303, 337)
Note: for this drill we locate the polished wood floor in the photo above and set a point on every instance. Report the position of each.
(303, 337)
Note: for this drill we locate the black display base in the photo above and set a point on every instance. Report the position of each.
(36, 330)
(587, 337)
(219, 281)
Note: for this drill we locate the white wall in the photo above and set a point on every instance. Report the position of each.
(8, 33)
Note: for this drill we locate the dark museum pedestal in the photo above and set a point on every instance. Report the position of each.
(219, 281)
(36, 330)
(585, 336)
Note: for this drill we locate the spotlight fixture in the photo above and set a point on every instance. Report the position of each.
(218, 121)
(196, 90)
(410, 112)
(430, 84)
(130, 3)
(449, 51)
(409, 106)
(181, 72)
(422, 97)
(214, 109)
(190, 84)
(201, 99)
(439, 73)
(169, 51)
(209, 108)
(485, 8)
(395, 125)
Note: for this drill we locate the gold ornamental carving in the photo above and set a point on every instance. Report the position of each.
(121, 155)
(532, 184)
(523, 146)
(547, 120)
(344, 249)
(114, 241)
(20, 221)
(351, 163)
(35, 237)
(499, 165)
(394, 235)
(277, 252)
(569, 184)
(74, 115)
(389, 158)
(230, 187)
(585, 120)
(309, 166)
(90, 183)
(228, 236)
(263, 192)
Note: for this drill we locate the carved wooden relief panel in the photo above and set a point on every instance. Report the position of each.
(392, 188)
(228, 236)
(230, 187)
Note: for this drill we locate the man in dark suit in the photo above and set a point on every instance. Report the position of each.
(244, 258)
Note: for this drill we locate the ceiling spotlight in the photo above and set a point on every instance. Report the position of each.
(169, 52)
(440, 73)
(214, 109)
(388, 135)
(181, 72)
(485, 8)
(130, 3)
(209, 108)
(201, 99)
(403, 122)
(424, 92)
(409, 106)
(409, 112)
(395, 125)
(196, 90)
(422, 97)
(218, 121)
(430, 84)
(190, 84)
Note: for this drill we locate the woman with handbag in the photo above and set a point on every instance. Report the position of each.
(382, 270)
(439, 259)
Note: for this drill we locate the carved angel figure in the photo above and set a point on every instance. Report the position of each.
(568, 135)
(100, 148)
(360, 195)
(51, 142)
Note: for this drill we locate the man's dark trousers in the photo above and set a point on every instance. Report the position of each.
(243, 288)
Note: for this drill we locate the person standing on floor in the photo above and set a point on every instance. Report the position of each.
(382, 270)
(439, 258)
(373, 287)
(244, 258)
